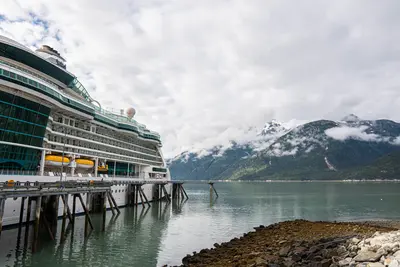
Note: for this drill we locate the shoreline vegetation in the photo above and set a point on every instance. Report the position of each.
(307, 243)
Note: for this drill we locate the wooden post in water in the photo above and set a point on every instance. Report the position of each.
(136, 195)
(37, 221)
(144, 195)
(88, 199)
(86, 210)
(2, 204)
(178, 192)
(73, 209)
(212, 188)
(165, 193)
(46, 224)
(64, 220)
(21, 216)
(28, 219)
(65, 200)
(103, 228)
(111, 204)
(183, 189)
(141, 197)
(114, 202)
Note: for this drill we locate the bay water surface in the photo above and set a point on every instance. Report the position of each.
(164, 234)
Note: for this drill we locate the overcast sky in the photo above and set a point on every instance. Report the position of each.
(199, 72)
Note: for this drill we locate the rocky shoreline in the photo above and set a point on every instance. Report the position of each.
(305, 243)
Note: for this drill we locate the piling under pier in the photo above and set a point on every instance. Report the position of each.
(46, 197)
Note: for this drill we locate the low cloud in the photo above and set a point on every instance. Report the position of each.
(345, 132)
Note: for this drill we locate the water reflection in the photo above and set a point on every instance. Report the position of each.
(131, 237)
(164, 234)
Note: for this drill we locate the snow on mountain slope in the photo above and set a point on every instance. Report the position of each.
(254, 138)
(289, 147)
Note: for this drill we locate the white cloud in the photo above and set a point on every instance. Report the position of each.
(345, 132)
(199, 72)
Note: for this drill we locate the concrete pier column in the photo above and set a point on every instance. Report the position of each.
(42, 159)
(96, 166)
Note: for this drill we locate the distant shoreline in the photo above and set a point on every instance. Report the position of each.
(287, 181)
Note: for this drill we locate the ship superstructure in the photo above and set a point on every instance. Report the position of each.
(51, 128)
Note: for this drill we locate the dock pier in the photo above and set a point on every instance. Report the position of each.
(44, 199)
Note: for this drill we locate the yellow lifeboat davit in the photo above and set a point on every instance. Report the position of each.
(54, 160)
(103, 168)
(84, 163)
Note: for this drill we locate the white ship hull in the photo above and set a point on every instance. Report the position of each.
(120, 193)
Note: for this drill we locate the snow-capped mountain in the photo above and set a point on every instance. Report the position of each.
(301, 151)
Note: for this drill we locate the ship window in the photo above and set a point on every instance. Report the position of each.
(12, 75)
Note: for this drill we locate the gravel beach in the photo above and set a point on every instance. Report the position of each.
(306, 243)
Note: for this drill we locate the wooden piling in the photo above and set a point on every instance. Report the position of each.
(132, 194)
(65, 200)
(216, 193)
(181, 191)
(37, 223)
(73, 209)
(46, 224)
(184, 191)
(28, 218)
(64, 219)
(144, 195)
(2, 204)
(103, 228)
(111, 204)
(136, 195)
(87, 217)
(165, 193)
(177, 192)
(141, 197)
(21, 215)
(114, 202)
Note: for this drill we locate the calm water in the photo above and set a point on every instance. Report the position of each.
(163, 234)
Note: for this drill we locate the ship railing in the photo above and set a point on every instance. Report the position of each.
(18, 172)
(76, 175)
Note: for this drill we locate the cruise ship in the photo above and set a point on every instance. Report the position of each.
(51, 129)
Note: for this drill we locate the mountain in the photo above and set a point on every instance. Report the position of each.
(320, 149)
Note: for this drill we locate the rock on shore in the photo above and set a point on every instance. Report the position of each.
(305, 243)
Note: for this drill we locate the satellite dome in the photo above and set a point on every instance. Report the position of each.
(130, 112)
(51, 55)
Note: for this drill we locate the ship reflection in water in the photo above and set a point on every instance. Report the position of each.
(131, 237)
(164, 234)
